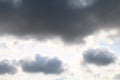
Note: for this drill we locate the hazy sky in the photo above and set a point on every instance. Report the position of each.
(59, 39)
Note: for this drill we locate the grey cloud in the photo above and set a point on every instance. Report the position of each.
(99, 57)
(71, 20)
(42, 65)
(7, 68)
(117, 77)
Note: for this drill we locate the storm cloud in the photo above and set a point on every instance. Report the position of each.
(42, 65)
(70, 20)
(99, 57)
(7, 68)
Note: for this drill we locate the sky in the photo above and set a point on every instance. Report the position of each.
(59, 39)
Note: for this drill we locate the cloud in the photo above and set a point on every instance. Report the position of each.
(99, 57)
(7, 68)
(117, 77)
(43, 19)
(42, 65)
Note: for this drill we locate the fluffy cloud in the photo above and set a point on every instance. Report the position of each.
(42, 64)
(7, 68)
(57, 18)
(99, 57)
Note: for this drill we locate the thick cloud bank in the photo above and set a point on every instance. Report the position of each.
(7, 68)
(99, 57)
(71, 20)
(42, 65)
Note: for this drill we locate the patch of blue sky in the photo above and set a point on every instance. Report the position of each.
(115, 46)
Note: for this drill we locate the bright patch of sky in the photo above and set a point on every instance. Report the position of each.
(81, 3)
(13, 48)
(115, 46)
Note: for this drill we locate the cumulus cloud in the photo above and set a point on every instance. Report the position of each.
(42, 65)
(99, 57)
(57, 18)
(7, 68)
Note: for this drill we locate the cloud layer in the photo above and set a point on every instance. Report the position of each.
(42, 65)
(58, 18)
(99, 57)
(7, 68)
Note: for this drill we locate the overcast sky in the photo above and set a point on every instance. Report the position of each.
(59, 39)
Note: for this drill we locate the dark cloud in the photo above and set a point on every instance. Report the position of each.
(99, 57)
(71, 20)
(42, 65)
(7, 68)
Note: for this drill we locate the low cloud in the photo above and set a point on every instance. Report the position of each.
(99, 57)
(7, 68)
(42, 65)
